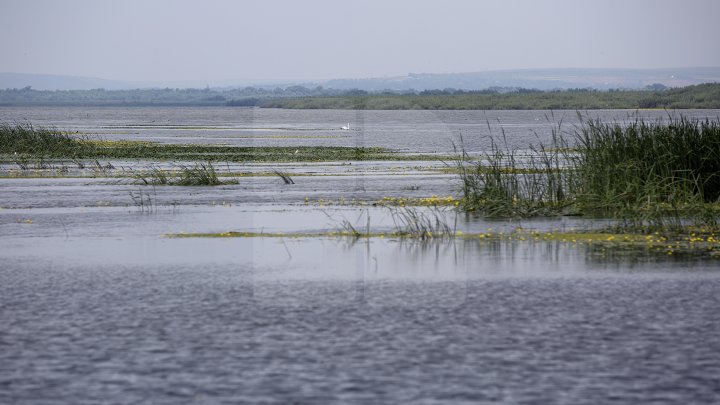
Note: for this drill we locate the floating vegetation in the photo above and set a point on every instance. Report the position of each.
(432, 201)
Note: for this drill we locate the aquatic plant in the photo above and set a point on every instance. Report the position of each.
(153, 176)
(24, 138)
(657, 175)
(143, 201)
(284, 176)
(421, 224)
(200, 174)
(506, 182)
(665, 170)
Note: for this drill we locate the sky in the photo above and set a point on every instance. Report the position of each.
(273, 40)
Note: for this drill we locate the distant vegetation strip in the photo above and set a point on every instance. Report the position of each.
(703, 96)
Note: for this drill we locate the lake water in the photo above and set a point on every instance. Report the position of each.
(410, 131)
(97, 305)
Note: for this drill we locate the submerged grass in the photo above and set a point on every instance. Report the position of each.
(662, 175)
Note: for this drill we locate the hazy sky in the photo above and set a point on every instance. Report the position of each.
(322, 39)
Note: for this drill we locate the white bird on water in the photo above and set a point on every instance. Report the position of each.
(346, 127)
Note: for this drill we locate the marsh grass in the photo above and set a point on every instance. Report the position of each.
(26, 139)
(408, 222)
(659, 174)
(144, 202)
(200, 174)
(506, 182)
(662, 175)
(421, 224)
(153, 176)
(284, 176)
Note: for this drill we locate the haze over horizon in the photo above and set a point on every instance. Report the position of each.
(221, 40)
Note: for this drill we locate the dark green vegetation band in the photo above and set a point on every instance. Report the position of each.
(699, 96)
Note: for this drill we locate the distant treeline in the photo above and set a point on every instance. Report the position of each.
(699, 96)
(248, 96)
(703, 96)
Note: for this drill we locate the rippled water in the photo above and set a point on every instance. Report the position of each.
(97, 305)
(225, 329)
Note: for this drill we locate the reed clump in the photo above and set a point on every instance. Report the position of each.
(423, 225)
(507, 182)
(200, 174)
(649, 175)
(665, 164)
(25, 139)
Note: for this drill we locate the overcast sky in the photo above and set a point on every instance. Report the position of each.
(324, 39)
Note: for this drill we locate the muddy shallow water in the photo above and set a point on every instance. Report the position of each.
(97, 304)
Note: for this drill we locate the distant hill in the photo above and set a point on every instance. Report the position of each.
(541, 79)
(57, 82)
(60, 82)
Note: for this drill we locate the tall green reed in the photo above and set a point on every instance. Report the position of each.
(25, 139)
(663, 174)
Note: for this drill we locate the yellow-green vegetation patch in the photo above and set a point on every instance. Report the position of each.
(703, 243)
(291, 136)
(496, 170)
(305, 235)
(431, 201)
(103, 143)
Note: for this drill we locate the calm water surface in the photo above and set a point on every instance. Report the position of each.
(98, 306)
